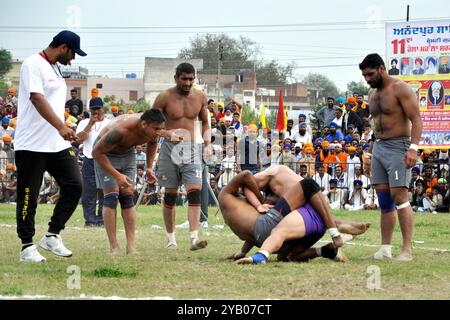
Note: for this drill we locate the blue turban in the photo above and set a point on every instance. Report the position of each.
(333, 125)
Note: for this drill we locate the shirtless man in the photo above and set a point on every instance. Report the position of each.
(302, 205)
(115, 168)
(179, 161)
(253, 227)
(398, 127)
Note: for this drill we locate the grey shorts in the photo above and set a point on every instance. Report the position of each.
(388, 162)
(179, 163)
(314, 228)
(265, 224)
(125, 163)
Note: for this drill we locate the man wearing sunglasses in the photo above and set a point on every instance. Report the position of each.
(42, 143)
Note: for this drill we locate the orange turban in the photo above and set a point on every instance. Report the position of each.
(325, 144)
(309, 149)
(308, 144)
(427, 151)
(94, 92)
(7, 139)
(10, 166)
(351, 149)
(351, 99)
(114, 108)
(66, 115)
(429, 190)
(12, 90)
(253, 126)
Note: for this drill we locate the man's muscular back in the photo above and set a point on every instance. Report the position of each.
(122, 133)
(280, 179)
(181, 111)
(387, 110)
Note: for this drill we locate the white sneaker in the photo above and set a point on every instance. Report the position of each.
(172, 246)
(55, 245)
(31, 254)
(204, 224)
(184, 225)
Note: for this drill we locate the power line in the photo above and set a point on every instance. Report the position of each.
(369, 27)
(321, 23)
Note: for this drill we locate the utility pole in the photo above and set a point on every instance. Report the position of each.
(219, 65)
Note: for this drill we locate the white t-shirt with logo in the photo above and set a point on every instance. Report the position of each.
(88, 144)
(33, 132)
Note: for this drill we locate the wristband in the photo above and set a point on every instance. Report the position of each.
(260, 257)
(333, 232)
(414, 146)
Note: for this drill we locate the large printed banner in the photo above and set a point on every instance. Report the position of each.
(418, 53)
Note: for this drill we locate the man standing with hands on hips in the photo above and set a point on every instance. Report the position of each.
(42, 143)
(398, 127)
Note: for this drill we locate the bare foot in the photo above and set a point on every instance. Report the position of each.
(132, 251)
(198, 244)
(404, 257)
(115, 251)
(353, 228)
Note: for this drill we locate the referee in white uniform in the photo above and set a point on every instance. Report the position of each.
(42, 143)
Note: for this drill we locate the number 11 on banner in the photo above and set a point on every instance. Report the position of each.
(402, 43)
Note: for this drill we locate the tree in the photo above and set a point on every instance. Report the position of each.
(358, 87)
(272, 73)
(325, 86)
(5, 62)
(237, 54)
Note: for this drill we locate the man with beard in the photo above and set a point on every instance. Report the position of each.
(299, 208)
(328, 112)
(351, 118)
(301, 136)
(42, 143)
(398, 128)
(361, 108)
(289, 129)
(248, 152)
(179, 160)
(334, 133)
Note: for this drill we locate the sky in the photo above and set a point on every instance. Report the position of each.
(327, 37)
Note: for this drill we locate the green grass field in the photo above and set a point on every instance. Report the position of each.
(206, 274)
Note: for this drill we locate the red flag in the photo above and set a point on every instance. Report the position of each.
(280, 114)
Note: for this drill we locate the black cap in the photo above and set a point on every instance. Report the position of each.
(71, 39)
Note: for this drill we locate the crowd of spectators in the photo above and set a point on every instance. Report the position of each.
(332, 155)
